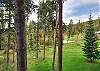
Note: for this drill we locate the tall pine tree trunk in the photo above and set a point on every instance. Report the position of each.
(8, 38)
(59, 22)
(44, 41)
(8, 49)
(21, 40)
(54, 52)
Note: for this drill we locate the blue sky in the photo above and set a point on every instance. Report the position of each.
(85, 9)
(80, 9)
(76, 10)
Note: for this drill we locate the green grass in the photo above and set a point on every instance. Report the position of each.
(74, 37)
(73, 60)
(40, 64)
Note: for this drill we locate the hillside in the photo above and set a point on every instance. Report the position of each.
(81, 27)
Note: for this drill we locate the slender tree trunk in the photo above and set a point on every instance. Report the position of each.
(21, 40)
(13, 56)
(8, 39)
(37, 39)
(44, 41)
(59, 22)
(48, 33)
(53, 36)
(54, 52)
(8, 49)
(13, 53)
(0, 41)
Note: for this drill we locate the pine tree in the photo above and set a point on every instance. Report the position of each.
(21, 33)
(31, 35)
(70, 29)
(90, 48)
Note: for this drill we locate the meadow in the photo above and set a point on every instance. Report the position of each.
(73, 59)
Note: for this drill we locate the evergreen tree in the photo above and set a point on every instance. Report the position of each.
(70, 29)
(90, 48)
(21, 33)
(31, 35)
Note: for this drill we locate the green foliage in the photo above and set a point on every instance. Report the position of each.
(31, 35)
(90, 48)
(70, 28)
(46, 20)
(80, 27)
(46, 13)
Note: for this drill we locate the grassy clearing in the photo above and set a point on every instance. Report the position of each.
(73, 60)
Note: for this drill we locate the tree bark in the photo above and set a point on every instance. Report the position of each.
(44, 41)
(8, 38)
(21, 40)
(48, 34)
(0, 41)
(13, 53)
(37, 39)
(8, 50)
(59, 22)
(54, 52)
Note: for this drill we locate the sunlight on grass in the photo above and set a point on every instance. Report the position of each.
(73, 60)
